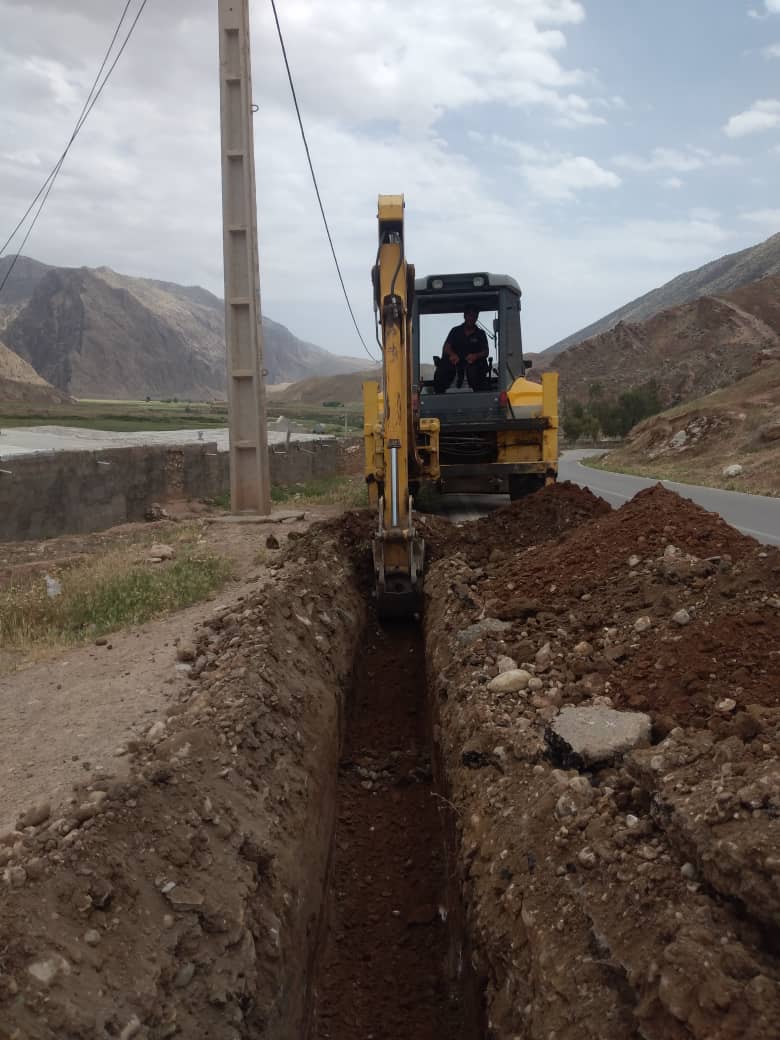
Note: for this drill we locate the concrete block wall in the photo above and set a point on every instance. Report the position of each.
(76, 492)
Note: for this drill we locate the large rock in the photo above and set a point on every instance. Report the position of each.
(582, 737)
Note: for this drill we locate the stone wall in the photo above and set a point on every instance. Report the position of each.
(73, 492)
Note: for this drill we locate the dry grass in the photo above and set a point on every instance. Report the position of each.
(103, 593)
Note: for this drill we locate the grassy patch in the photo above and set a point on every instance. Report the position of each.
(347, 491)
(104, 594)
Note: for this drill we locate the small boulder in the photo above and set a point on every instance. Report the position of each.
(642, 624)
(510, 682)
(733, 470)
(588, 736)
(161, 552)
(506, 664)
(681, 617)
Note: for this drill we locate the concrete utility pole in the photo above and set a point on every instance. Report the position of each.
(249, 479)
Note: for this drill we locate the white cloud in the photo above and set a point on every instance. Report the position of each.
(762, 115)
(562, 179)
(675, 160)
(671, 182)
(773, 51)
(770, 7)
(763, 216)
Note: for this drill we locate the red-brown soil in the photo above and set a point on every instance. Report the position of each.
(385, 971)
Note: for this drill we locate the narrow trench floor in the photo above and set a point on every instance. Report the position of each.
(384, 972)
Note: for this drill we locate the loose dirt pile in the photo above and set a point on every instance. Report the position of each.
(637, 896)
(613, 881)
(184, 899)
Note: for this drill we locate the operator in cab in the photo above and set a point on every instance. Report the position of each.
(465, 351)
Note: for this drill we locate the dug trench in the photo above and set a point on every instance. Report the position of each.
(351, 831)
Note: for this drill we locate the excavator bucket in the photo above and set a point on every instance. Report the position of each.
(398, 568)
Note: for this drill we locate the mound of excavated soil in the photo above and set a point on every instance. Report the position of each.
(638, 896)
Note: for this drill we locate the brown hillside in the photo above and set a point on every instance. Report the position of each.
(19, 382)
(103, 334)
(690, 351)
(698, 440)
(720, 276)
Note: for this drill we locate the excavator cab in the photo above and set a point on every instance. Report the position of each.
(502, 437)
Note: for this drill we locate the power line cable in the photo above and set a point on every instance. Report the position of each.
(89, 104)
(316, 186)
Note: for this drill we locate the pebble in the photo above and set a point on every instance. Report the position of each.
(634, 561)
(543, 656)
(156, 732)
(35, 816)
(506, 664)
(92, 937)
(688, 871)
(186, 651)
(16, 876)
(46, 971)
(587, 858)
(642, 624)
(726, 706)
(681, 617)
(184, 975)
(161, 552)
(535, 683)
(182, 898)
(583, 648)
(133, 1028)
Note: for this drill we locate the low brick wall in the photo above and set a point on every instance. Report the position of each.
(75, 492)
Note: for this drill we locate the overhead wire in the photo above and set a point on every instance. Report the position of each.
(94, 94)
(314, 181)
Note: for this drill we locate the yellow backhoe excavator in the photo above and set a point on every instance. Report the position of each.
(501, 436)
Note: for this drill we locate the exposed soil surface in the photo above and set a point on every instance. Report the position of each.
(637, 897)
(273, 862)
(385, 970)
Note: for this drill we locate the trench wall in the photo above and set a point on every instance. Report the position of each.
(74, 492)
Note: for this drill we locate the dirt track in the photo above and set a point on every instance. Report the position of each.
(633, 898)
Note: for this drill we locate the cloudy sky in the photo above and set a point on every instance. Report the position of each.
(591, 148)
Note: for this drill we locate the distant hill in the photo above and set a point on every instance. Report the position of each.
(689, 351)
(713, 279)
(19, 382)
(346, 388)
(97, 333)
(739, 424)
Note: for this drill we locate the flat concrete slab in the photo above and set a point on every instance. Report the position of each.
(584, 737)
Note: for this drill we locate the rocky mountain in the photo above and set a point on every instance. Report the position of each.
(19, 382)
(713, 279)
(97, 333)
(689, 351)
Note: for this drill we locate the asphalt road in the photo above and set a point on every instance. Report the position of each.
(756, 515)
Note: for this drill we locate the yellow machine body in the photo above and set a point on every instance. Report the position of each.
(400, 449)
